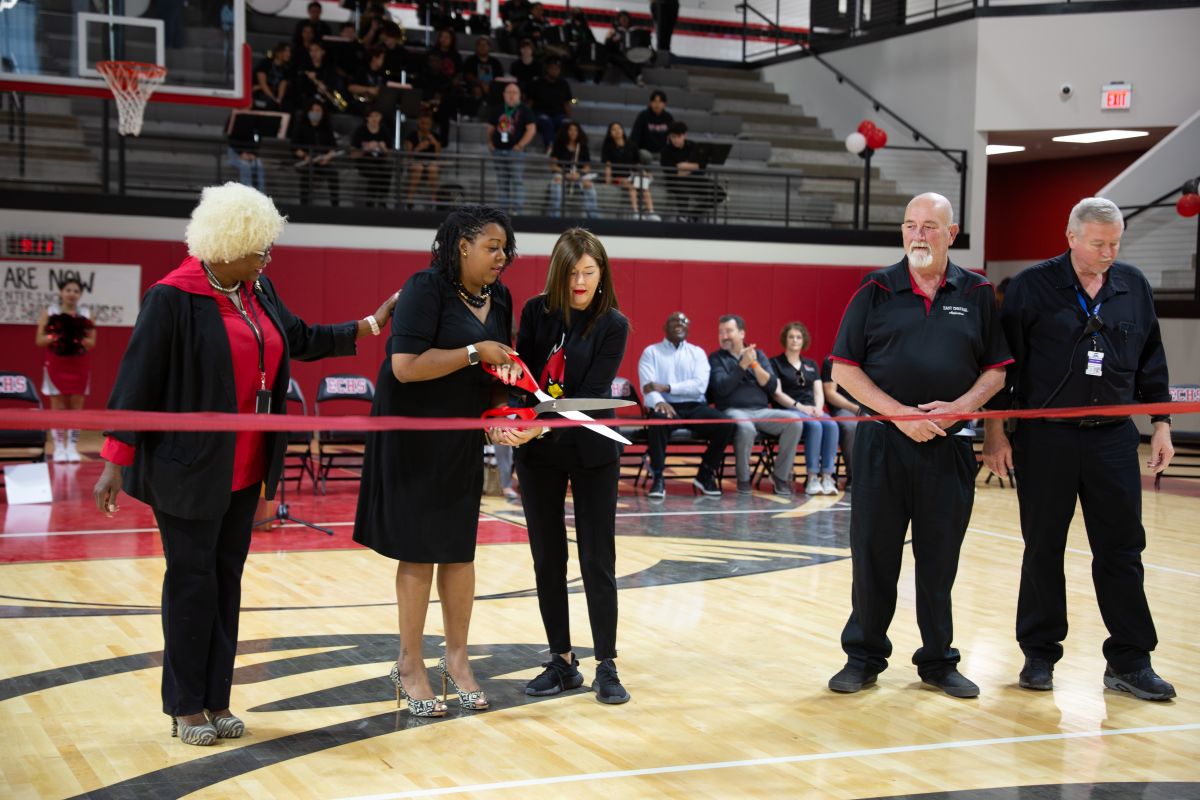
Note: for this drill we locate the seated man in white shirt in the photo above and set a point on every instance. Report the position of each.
(674, 377)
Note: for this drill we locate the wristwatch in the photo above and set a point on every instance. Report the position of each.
(472, 355)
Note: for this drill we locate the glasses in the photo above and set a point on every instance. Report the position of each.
(263, 255)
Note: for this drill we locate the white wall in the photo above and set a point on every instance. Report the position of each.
(1024, 60)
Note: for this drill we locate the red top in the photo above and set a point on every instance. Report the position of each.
(249, 457)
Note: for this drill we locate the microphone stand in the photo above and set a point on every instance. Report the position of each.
(283, 514)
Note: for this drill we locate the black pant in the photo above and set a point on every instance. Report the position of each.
(1056, 463)
(665, 13)
(718, 436)
(544, 472)
(202, 594)
(897, 480)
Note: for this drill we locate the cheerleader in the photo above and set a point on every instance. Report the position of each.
(67, 332)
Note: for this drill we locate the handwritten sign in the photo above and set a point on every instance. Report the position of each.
(112, 292)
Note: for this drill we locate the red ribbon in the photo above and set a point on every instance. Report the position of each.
(96, 420)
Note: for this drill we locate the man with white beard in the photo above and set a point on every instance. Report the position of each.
(920, 337)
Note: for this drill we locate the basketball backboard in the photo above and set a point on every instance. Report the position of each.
(52, 47)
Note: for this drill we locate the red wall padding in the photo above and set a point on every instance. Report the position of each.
(1028, 203)
(332, 285)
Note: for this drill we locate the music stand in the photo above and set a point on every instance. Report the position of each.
(712, 153)
(254, 126)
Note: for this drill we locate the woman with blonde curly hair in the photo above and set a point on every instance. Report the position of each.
(212, 335)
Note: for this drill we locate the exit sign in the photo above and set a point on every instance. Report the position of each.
(1116, 97)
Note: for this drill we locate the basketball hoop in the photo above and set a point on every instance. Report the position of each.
(132, 83)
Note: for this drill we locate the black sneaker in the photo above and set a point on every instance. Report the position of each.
(607, 685)
(1143, 684)
(706, 483)
(782, 486)
(953, 683)
(851, 679)
(745, 487)
(559, 676)
(658, 488)
(1038, 674)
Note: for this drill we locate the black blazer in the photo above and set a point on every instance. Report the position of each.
(178, 359)
(591, 363)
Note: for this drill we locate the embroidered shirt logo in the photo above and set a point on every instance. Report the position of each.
(956, 311)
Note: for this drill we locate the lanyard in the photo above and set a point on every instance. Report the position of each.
(1083, 303)
(248, 299)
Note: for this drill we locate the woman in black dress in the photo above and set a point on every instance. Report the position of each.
(572, 337)
(419, 501)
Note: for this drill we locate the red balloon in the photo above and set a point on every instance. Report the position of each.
(876, 138)
(865, 127)
(1188, 205)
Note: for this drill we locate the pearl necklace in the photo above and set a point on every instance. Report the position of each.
(216, 284)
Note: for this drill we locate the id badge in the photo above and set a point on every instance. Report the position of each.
(503, 137)
(1095, 363)
(262, 401)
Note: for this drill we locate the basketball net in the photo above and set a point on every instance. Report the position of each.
(132, 83)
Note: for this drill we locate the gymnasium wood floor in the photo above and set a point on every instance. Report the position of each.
(730, 615)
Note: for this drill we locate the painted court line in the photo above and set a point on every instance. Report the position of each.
(759, 762)
(1082, 552)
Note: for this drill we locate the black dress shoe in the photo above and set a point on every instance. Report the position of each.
(953, 683)
(782, 486)
(851, 679)
(658, 488)
(1038, 674)
(745, 487)
(1143, 684)
(706, 483)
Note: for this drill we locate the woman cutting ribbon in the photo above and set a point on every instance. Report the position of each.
(573, 338)
(419, 501)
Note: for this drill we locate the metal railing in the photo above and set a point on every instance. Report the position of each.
(1165, 246)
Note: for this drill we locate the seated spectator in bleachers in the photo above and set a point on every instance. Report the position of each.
(526, 68)
(371, 154)
(650, 128)
(423, 148)
(674, 375)
(513, 14)
(615, 45)
(398, 63)
(438, 15)
(584, 57)
(370, 24)
(535, 26)
(346, 51)
(306, 35)
(510, 130)
(319, 26)
(623, 168)
(321, 81)
(571, 168)
(243, 157)
(370, 79)
(445, 48)
(552, 99)
(315, 145)
(438, 94)
(841, 404)
(742, 385)
(692, 193)
(800, 390)
(479, 70)
(272, 77)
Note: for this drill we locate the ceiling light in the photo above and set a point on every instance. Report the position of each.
(1100, 136)
(1001, 149)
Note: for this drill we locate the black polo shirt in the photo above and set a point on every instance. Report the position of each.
(827, 377)
(731, 386)
(797, 383)
(918, 349)
(1044, 321)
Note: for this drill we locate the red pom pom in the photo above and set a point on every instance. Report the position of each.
(877, 138)
(865, 127)
(1188, 205)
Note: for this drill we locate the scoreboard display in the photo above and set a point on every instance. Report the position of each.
(33, 245)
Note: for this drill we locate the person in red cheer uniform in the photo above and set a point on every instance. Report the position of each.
(213, 335)
(65, 329)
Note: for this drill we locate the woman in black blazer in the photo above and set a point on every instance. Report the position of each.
(572, 336)
(212, 335)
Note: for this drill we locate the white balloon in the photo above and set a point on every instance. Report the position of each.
(856, 142)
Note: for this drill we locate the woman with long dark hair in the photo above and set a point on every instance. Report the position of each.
(573, 337)
(419, 502)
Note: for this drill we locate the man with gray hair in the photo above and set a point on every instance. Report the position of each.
(919, 337)
(1083, 331)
